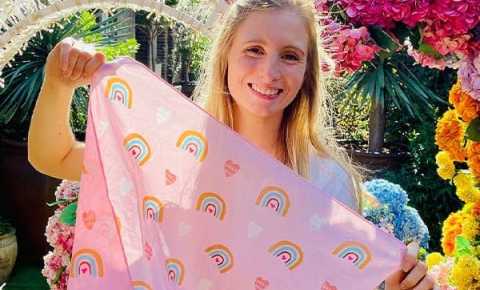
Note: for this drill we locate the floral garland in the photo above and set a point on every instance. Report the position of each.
(457, 136)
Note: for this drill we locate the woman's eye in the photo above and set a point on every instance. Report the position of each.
(254, 50)
(291, 56)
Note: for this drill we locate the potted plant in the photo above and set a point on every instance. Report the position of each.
(23, 80)
(8, 249)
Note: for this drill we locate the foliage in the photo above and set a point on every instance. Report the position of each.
(24, 77)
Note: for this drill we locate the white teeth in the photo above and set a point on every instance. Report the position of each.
(265, 91)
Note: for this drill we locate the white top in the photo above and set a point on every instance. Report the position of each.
(328, 175)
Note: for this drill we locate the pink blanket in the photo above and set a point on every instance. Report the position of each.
(172, 199)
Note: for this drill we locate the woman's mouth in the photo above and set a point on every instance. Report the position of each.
(268, 94)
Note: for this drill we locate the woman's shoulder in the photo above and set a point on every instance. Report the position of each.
(331, 177)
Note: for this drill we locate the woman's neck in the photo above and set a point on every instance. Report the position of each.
(261, 131)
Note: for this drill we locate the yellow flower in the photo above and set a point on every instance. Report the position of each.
(449, 135)
(466, 189)
(470, 227)
(433, 259)
(465, 273)
(446, 173)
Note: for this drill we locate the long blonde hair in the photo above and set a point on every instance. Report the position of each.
(305, 121)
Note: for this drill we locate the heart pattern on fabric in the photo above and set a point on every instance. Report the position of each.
(254, 230)
(88, 218)
(317, 222)
(148, 251)
(204, 284)
(170, 178)
(184, 229)
(261, 283)
(162, 115)
(327, 286)
(230, 168)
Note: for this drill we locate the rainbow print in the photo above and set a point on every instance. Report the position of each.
(140, 285)
(222, 257)
(175, 271)
(118, 90)
(152, 209)
(288, 253)
(211, 203)
(274, 198)
(354, 252)
(138, 147)
(194, 143)
(86, 262)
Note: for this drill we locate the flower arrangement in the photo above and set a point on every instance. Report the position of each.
(392, 213)
(457, 137)
(60, 232)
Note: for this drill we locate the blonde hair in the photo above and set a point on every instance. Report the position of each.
(305, 121)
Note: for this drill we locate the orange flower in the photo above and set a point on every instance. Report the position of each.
(452, 227)
(473, 155)
(467, 107)
(449, 135)
(476, 209)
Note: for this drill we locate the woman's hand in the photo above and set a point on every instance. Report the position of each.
(72, 63)
(413, 274)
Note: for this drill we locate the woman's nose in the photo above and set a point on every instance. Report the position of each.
(270, 69)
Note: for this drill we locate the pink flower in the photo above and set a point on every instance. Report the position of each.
(67, 190)
(349, 47)
(469, 76)
(385, 13)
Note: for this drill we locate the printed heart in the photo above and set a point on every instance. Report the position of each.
(204, 284)
(148, 251)
(163, 114)
(317, 222)
(84, 269)
(88, 218)
(328, 286)
(230, 168)
(261, 283)
(169, 177)
(184, 229)
(254, 230)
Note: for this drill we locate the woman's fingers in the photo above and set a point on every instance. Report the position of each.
(72, 58)
(414, 277)
(426, 284)
(79, 67)
(65, 46)
(93, 65)
(410, 259)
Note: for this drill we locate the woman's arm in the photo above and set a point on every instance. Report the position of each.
(52, 148)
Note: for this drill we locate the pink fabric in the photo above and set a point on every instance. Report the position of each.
(172, 199)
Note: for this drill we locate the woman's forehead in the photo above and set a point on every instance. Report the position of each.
(280, 28)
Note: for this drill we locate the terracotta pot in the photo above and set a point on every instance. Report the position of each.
(8, 254)
(24, 198)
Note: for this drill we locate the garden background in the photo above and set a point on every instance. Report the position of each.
(399, 67)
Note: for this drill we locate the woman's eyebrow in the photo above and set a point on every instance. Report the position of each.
(285, 47)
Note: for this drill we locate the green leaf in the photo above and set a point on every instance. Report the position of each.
(383, 39)
(473, 130)
(462, 247)
(69, 214)
(429, 50)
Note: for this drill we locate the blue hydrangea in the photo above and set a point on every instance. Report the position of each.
(410, 227)
(388, 193)
(394, 214)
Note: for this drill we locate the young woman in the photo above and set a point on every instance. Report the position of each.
(263, 79)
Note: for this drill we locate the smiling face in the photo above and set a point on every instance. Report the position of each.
(267, 62)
